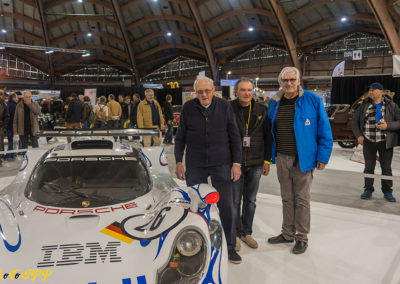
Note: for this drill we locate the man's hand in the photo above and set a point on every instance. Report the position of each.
(180, 171)
(235, 172)
(360, 140)
(321, 166)
(382, 125)
(265, 170)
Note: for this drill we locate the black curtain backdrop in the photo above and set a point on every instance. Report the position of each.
(116, 90)
(346, 90)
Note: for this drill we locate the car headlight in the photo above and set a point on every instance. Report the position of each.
(215, 233)
(187, 261)
(189, 243)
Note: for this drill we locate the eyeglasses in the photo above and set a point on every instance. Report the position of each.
(291, 80)
(207, 91)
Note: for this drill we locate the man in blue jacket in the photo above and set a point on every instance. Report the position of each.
(208, 131)
(302, 141)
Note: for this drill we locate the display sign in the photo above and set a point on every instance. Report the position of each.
(91, 93)
(226, 82)
(353, 55)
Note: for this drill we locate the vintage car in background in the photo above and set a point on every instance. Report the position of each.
(98, 211)
(340, 118)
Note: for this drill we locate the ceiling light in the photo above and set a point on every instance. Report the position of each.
(49, 51)
(86, 54)
(251, 29)
(80, 1)
(169, 34)
(343, 19)
(2, 47)
(3, 31)
(229, 72)
(257, 78)
(89, 34)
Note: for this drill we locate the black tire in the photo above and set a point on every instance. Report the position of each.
(347, 145)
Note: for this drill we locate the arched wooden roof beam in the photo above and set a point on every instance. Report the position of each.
(83, 19)
(103, 58)
(232, 13)
(30, 36)
(250, 43)
(52, 4)
(22, 18)
(162, 33)
(128, 47)
(170, 46)
(325, 22)
(39, 6)
(202, 31)
(339, 34)
(286, 33)
(100, 34)
(137, 2)
(380, 9)
(160, 18)
(29, 2)
(314, 4)
(243, 29)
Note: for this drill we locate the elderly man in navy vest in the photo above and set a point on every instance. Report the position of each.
(208, 131)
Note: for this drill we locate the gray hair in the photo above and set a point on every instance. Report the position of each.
(287, 70)
(200, 78)
(148, 91)
(244, 79)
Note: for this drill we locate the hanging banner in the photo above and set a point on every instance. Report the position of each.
(91, 93)
(339, 70)
(396, 65)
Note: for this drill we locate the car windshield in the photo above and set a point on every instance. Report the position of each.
(76, 182)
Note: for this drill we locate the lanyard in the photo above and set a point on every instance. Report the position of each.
(248, 121)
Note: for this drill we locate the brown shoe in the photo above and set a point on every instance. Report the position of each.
(250, 241)
(237, 246)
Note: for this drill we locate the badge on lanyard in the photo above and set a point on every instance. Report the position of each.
(246, 141)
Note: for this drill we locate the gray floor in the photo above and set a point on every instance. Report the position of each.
(330, 186)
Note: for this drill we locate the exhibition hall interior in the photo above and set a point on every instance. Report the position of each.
(256, 141)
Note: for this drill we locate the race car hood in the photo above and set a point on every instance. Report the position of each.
(88, 245)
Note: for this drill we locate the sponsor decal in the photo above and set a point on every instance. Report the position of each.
(308, 122)
(147, 160)
(151, 226)
(10, 247)
(102, 210)
(114, 230)
(139, 280)
(29, 274)
(74, 254)
(163, 159)
(24, 164)
(125, 147)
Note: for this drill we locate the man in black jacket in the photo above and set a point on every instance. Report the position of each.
(4, 118)
(255, 131)
(208, 131)
(375, 124)
(74, 114)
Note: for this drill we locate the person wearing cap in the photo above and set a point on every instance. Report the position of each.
(375, 125)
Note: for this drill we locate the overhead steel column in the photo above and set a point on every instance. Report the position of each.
(128, 47)
(204, 38)
(284, 27)
(382, 15)
(39, 6)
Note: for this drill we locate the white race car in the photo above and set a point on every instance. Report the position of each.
(98, 211)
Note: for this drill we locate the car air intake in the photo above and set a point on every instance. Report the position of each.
(92, 144)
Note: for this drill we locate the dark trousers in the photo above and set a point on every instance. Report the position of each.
(25, 140)
(10, 139)
(221, 180)
(385, 159)
(113, 124)
(170, 133)
(246, 187)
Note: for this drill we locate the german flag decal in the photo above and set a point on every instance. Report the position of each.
(114, 231)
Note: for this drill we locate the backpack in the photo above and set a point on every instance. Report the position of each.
(92, 115)
(101, 114)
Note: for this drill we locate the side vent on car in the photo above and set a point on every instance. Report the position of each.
(92, 144)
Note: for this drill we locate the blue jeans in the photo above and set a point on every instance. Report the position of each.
(246, 187)
(99, 124)
(170, 133)
(221, 180)
(86, 125)
(10, 139)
